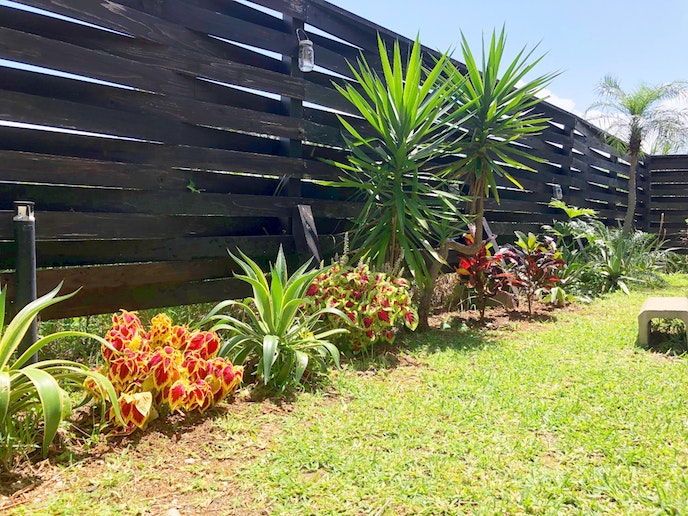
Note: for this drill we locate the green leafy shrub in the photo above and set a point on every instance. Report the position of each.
(601, 259)
(377, 304)
(273, 329)
(531, 266)
(483, 273)
(32, 392)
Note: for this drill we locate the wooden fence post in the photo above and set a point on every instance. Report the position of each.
(302, 221)
(646, 180)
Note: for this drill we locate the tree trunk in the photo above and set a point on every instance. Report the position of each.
(425, 302)
(471, 250)
(632, 196)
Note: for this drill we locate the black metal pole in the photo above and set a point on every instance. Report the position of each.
(25, 239)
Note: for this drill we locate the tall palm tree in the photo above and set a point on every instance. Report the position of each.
(634, 117)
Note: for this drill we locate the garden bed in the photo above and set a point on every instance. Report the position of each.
(559, 415)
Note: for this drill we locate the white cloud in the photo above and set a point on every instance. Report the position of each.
(565, 104)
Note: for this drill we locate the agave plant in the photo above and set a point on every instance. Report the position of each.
(275, 329)
(39, 388)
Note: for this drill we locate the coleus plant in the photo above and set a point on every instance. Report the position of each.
(377, 304)
(168, 367)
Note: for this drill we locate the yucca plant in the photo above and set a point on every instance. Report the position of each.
(274, 328)
(501, 101)
(409, 209)
(29, 392)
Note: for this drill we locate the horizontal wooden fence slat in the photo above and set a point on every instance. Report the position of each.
(57, 198)
(74, 253)
(102, 301)
(157, 119)
(72, 225)
(180, 156)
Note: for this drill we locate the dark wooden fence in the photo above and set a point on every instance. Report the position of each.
(184, 129)
(669, 199)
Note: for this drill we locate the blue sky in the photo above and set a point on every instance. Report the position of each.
(635, 40)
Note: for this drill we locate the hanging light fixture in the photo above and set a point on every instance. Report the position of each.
(306, 54)
(556, 192)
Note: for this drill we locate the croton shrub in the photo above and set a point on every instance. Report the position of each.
(168, 368)
(483, 274)
(378, 304)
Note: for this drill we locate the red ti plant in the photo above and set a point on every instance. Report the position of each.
(532, 265)
(168, 367)
(483, 273)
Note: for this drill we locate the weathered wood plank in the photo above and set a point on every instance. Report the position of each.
(181, 156)
(147, 67)
(62, 198)
(160, 119)
(71, 253)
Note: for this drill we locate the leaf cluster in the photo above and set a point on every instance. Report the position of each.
(376, 303)
(41, 387)
(483, 273)
(273, 329)
(432, 130)
(532, 265)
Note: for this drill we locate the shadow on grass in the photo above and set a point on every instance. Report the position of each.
(668, 337)
(400, 354)
(670, 344)
(462, 338)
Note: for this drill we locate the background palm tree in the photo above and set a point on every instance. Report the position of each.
(638, 116)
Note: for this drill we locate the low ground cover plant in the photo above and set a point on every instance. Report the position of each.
(168, 368)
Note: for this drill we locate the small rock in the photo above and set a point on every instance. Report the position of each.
(189, 461)
(173, 512)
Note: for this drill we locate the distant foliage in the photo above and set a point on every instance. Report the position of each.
(600, 259)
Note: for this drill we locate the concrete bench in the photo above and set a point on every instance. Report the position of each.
(660, 308)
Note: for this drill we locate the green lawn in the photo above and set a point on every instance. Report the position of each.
(565, 417)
